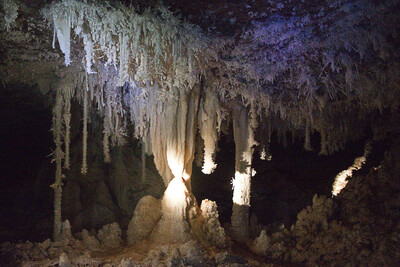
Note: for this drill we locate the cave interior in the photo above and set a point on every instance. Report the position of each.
(200, 133)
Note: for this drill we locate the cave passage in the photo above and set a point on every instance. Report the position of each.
(287, 182)
(26, 143)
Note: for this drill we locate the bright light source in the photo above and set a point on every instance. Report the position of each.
(176, 198)
(341, 179)
(173, 227)
(241, 187)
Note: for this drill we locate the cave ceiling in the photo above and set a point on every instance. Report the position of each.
(304, 62)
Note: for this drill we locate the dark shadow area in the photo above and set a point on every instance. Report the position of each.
(25, 142)
(285, 185)
(281, 187)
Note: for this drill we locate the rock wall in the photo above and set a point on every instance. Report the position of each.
(108, 192)
(358, 227)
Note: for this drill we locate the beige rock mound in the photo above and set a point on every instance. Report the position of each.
(146, 216)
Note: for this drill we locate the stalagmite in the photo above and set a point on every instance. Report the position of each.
(58, 156)
(263, 153)
(243, 136)
(173, 226)
(146, 216)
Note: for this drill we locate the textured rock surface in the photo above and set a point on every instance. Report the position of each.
(359, 227)
(107, 193)
(90, 241)
(146, 215)
(215, 233)
(110, 235)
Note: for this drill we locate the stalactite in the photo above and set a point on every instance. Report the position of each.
(143, 40)
(199, 157)
(63, 30)
(85, 122)
(268, 145)
(243, 136)
(67, 94)
(58, 156)
(253, 120)
(190, 132)
(144, 149)
(173, 132)
(88, 46)
(307, 140)
(209, 127)
(106, 146)
(123, 60)
(107, 126)
(264, 149)
(119, 131)
(138, 59)
(138, 107)
(11, 13)
(269, 131)
(158, 136)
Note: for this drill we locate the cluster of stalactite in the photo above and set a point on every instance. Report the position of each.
(149, 71)
(61, 132)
